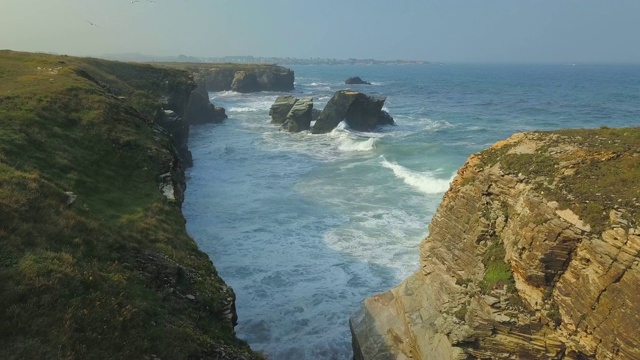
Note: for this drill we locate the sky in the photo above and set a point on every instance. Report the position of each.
(499, 31)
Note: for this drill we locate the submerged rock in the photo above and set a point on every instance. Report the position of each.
(361, 112)
(356, 80)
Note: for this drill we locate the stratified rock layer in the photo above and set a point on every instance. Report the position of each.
(533, 254)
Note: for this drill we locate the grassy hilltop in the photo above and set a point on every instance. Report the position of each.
(113, 273)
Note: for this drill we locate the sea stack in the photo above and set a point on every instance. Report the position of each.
(361, 112)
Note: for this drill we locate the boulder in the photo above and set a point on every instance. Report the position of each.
(245, 82)
(361, 112)
(356, 80)
(299, 118)
(280, 109)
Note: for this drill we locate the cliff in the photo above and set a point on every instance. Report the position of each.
(243, 78)
(95, 261)
(532, 254)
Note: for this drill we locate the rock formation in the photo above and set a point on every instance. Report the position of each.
(299, 118)
(201, 111)
(356, 80)
(245, 82)
(532, 254)
(280, 108)
(243, 77)
(361, 112)
(293, 114)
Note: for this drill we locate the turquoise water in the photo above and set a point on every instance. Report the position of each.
(305, 227)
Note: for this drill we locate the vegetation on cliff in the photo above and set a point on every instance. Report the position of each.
(589, 171)
(95, 262)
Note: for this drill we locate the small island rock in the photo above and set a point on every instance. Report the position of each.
(356, 80)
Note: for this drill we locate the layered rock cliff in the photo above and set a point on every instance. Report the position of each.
(241, 77)
(532, 254)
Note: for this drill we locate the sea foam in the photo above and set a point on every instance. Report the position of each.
(424, 182)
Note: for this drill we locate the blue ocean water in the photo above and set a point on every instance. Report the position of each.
(305, 227)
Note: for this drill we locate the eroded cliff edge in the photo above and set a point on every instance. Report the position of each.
(532, 254)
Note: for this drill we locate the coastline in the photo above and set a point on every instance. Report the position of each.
(96, 260)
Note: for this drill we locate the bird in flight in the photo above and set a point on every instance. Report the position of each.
(92, 24)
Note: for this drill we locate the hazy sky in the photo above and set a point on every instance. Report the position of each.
(436, 30)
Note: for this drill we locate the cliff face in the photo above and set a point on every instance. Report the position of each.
(533, 254)
(95, 261)
(242, 77)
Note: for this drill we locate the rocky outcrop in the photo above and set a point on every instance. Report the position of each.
(356, 80)
(299, 118)
(293, 114)
(532, 254)
(280, 108)
(201, 111)
(360, 111)
(244, 78)
(245, 82)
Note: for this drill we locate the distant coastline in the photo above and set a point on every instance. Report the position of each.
(135, 57)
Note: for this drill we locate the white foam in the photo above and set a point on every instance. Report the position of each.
(227, 93)
(243, 109)
(347, 144)
(424, 182)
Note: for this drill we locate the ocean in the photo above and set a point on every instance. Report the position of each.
(305, 227)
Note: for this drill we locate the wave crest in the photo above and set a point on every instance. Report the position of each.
(424, 182)
(347, 144)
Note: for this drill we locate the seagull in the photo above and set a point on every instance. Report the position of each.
(92, 23)
(135, 1)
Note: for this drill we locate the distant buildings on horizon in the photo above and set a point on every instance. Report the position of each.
(260, 60)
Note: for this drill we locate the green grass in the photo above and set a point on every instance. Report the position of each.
(497, 273)
(105, 278)
(604, 171)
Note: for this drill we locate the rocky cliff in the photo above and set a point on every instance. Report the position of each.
(241, 77)
(532, 254)
(95, 261)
